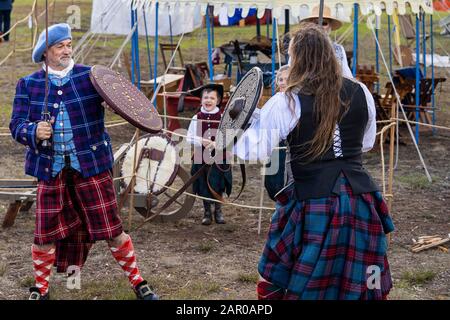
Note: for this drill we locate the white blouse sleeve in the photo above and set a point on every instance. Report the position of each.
(370, 132)
(191, 136)
(346, 72)
(269, 126)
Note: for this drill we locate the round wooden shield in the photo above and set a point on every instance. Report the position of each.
(126, 99)
(157, 165)
(239, 108)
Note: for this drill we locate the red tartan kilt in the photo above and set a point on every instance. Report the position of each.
(57, 218)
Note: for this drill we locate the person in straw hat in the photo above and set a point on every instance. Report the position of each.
(331, 24)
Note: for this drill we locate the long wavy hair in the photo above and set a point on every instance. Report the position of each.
(315, 71)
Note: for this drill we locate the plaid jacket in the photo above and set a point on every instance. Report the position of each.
(86, 113)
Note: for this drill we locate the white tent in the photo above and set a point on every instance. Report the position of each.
(114, 17)
(340, 8)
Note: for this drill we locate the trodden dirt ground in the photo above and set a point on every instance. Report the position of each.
(185, 260)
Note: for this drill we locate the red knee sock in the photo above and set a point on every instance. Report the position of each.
(43, 262)
(126, 258)
(268, 291)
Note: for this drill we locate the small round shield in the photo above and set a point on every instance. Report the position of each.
(239, 108)
(157, 164)
(126, 99)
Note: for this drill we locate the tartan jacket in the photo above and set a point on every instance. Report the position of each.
(86, 114)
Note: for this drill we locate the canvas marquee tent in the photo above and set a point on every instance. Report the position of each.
(113, 16)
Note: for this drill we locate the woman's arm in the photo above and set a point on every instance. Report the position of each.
(370, 132)
(273, 124)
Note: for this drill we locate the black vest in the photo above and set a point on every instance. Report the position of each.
(318, 178)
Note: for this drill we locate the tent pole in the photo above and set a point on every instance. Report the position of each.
(417, 89)
(212, 28)
(170, 27)
(149, 58)
(390, 44)
(287, 17)
(274, 36)
(424, 45)
(171, 36)
(132, 49)
(156, 45)
(208, 29)
(377, 59)
(258, 26)
(136, 50)
(355, 38)
(432, 73)
(321, 12)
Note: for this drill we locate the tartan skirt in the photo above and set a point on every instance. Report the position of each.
(73, 212)
(328, 248)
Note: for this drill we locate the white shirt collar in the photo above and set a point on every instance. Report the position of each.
(213, 111)
(62, 73)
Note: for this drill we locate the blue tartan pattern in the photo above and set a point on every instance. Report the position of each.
(86, 114)
(321, 248)
(63, 135)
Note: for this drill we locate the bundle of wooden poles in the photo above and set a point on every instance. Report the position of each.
(428, 242)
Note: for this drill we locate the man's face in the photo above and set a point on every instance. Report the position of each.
(326, 25)
(209, 100)
(60, 54)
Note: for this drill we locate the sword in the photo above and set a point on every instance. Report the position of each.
(45, 114)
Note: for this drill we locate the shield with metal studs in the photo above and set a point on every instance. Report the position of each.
(126, 99)
(239, 108)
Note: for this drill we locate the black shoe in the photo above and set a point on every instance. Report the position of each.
(218, 216)
(206, 221)
(207, 216)
(35, 294)
(145, 292)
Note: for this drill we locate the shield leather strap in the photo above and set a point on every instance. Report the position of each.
(218, 196)
(126, 99)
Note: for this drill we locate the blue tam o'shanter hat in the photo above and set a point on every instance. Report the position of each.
(56, 33)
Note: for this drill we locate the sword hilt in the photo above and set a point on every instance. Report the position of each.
(46, 118)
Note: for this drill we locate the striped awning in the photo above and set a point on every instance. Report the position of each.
(341, 9)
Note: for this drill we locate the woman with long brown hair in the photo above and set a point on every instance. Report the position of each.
(327, 238)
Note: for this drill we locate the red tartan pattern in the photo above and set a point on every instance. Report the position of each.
(268, 291)
(126, 258)
(42, 263)
(74, 226)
